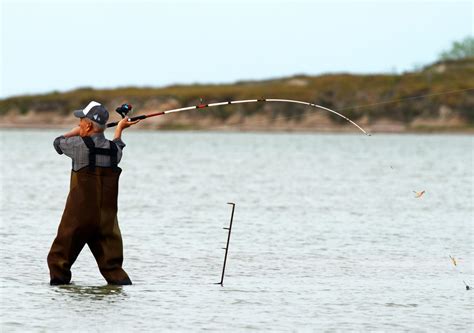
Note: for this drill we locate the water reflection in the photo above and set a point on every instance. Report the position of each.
(110, 293)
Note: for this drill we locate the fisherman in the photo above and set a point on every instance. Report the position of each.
(90, 215)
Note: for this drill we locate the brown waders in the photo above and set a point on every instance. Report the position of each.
(90, 217)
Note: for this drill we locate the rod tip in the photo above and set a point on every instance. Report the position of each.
(468, 288)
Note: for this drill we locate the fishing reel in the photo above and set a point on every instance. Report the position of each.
(124, 109)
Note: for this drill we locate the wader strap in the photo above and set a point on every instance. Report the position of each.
(113, 155)
(90, 144)
(93, 151)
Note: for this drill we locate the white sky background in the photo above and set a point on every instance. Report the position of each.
(62, 45)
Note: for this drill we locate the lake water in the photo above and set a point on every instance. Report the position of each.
(327, 234)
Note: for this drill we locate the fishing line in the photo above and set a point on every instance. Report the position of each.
(404, 99)
(310, 112)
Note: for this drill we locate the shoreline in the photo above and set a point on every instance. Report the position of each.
(386, 129)
(434, 99)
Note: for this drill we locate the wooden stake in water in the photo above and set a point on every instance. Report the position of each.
(226, 248)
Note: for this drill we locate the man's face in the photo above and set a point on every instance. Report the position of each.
(85, 127)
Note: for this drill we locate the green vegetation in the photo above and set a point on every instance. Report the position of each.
(399, 98)
(460, 50)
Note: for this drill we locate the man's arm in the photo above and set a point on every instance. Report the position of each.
(74, 132)
(64, 146)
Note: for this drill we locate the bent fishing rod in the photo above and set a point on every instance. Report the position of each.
(126, 108)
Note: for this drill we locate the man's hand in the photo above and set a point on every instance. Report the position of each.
(125, 123)
(74, 132)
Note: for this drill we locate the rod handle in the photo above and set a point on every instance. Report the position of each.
(113, 124)
(144, 116)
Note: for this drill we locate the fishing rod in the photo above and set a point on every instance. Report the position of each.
(126, 108)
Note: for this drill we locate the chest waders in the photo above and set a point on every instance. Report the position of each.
(90, 217)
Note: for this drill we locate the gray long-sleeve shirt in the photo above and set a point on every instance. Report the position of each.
(76, 149)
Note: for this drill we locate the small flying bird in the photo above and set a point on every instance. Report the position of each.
(454, 261)
(419, 194)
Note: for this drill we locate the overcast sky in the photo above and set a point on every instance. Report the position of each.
(62, 45)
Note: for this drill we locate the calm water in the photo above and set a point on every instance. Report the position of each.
(327, 234)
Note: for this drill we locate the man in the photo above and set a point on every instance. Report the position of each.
(90, 215)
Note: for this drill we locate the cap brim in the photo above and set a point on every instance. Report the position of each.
(79, 114)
